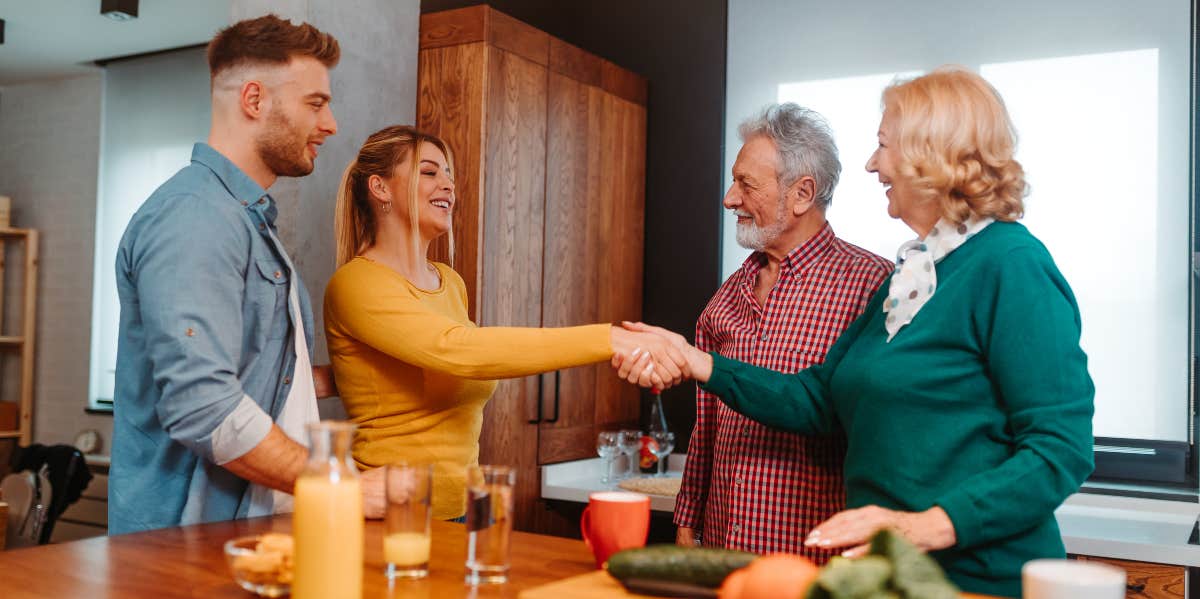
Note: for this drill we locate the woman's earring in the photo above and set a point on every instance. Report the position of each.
(386, 206)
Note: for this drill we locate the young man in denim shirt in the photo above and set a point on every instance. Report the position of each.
(216, 326)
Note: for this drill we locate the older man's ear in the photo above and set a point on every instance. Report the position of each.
(802, 195)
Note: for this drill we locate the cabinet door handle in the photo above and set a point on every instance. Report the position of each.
(557, 380)
(1135, 588)
(538, 420)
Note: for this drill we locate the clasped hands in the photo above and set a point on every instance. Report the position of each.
(654, 357)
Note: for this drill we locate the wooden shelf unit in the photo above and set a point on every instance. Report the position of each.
(22, 343)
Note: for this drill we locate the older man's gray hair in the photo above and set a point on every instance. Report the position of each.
(805, 145)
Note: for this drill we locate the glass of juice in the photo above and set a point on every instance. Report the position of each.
(406, 540)
(489, 523)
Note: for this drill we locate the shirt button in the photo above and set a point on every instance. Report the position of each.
(287, 380)
(738, 481)
(245, 203)
(737, 528)
(278, 274)
(764, 336)
(262, 226)
(262, 200)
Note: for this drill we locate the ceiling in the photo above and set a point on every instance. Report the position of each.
(45, 39)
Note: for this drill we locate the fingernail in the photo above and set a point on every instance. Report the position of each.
(636, 351)
(848, 553)
(809, 542)
(826, 543)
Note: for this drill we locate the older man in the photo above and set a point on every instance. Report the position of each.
(747, 486)
(214, 379)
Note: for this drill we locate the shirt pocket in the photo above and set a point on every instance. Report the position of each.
(269, 294)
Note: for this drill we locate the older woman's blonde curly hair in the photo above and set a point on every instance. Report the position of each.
(957, 142)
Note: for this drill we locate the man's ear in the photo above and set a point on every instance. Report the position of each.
(253, 99)
(802, 195)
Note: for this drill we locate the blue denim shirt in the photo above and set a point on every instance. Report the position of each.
(205, 355)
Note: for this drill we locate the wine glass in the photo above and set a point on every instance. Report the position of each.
(664, 444)
(607, 446)
(630, 441)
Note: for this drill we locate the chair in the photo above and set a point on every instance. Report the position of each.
(64, 468)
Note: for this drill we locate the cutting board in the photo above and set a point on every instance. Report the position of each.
(599, 585)
(593, 585)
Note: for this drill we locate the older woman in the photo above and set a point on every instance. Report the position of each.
(412, 370)
(962, 388)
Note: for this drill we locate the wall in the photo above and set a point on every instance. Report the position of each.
(48, 164)
(679, 45)
(374, 85)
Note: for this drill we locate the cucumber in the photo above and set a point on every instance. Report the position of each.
(694, 565)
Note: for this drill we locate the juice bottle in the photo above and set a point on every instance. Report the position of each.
(327, 523)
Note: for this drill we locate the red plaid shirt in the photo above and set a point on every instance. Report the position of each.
(747, 486)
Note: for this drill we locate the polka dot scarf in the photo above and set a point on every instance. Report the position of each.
(916, 278)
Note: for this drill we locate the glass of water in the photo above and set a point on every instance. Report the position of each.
(630, 441)
(607, 446)
(489, 523)
(662, 446)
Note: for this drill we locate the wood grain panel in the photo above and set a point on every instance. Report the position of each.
(574, 62)
(453, 27)
(623, 142)
(514, 203)
(570, 282)
(1147, 580)
(518, 37)
(622, 83)
(450, 104)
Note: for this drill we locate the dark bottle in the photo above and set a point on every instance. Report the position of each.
(647, 460)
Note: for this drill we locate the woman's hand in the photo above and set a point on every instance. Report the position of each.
(697, 365)
(646, 359)
(928, 530)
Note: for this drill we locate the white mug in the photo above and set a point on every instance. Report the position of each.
(1071, 579)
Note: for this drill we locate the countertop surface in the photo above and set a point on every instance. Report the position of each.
(1146, 530)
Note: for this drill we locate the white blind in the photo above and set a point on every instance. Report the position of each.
(155, 108)
(1099, 93)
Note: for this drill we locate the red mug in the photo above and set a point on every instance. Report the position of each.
(613, 521)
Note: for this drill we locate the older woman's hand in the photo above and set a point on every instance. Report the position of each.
(928, 530)
(646, 359)
(697, 364)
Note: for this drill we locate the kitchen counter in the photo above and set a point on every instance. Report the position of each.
(1145, 530)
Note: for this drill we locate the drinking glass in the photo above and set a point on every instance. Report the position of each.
(489, 523)
(607, 446)
(630, 441)
(406, 542)
(664, 444)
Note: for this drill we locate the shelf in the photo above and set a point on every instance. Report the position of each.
(10, 434)
(9, 340)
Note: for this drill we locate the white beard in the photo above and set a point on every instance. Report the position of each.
(754, 237)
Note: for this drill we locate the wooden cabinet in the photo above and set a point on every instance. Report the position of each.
(1147, 580)
(549, 146)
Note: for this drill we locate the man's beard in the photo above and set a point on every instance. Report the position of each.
(754, 237)
(282, 147)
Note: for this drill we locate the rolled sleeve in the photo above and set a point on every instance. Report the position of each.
(189, 267)
(244, 428)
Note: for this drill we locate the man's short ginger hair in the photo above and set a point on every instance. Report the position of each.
(269, 40)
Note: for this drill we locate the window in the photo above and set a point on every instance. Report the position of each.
(155, 107)
(1100, 94)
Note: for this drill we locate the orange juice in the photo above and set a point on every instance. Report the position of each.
(406, 548)
(327, 525)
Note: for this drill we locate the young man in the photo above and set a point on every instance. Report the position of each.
(216, 326)
(747, 486)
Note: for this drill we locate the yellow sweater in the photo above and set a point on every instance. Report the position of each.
(414, 372)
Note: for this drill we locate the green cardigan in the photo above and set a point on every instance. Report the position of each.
(981, 405)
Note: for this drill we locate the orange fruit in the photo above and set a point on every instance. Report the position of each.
(771, 577)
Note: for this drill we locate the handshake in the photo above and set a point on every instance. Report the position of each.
(654, 357)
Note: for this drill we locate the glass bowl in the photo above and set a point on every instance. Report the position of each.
(261, 564)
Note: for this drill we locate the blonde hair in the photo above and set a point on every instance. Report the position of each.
(957, 143)
(354, 221)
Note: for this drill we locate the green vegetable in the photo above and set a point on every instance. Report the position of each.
(894, 569)
(695, 565)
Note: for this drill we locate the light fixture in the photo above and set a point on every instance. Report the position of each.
(119, 10)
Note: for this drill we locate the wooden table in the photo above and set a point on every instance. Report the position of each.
(189, 561)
